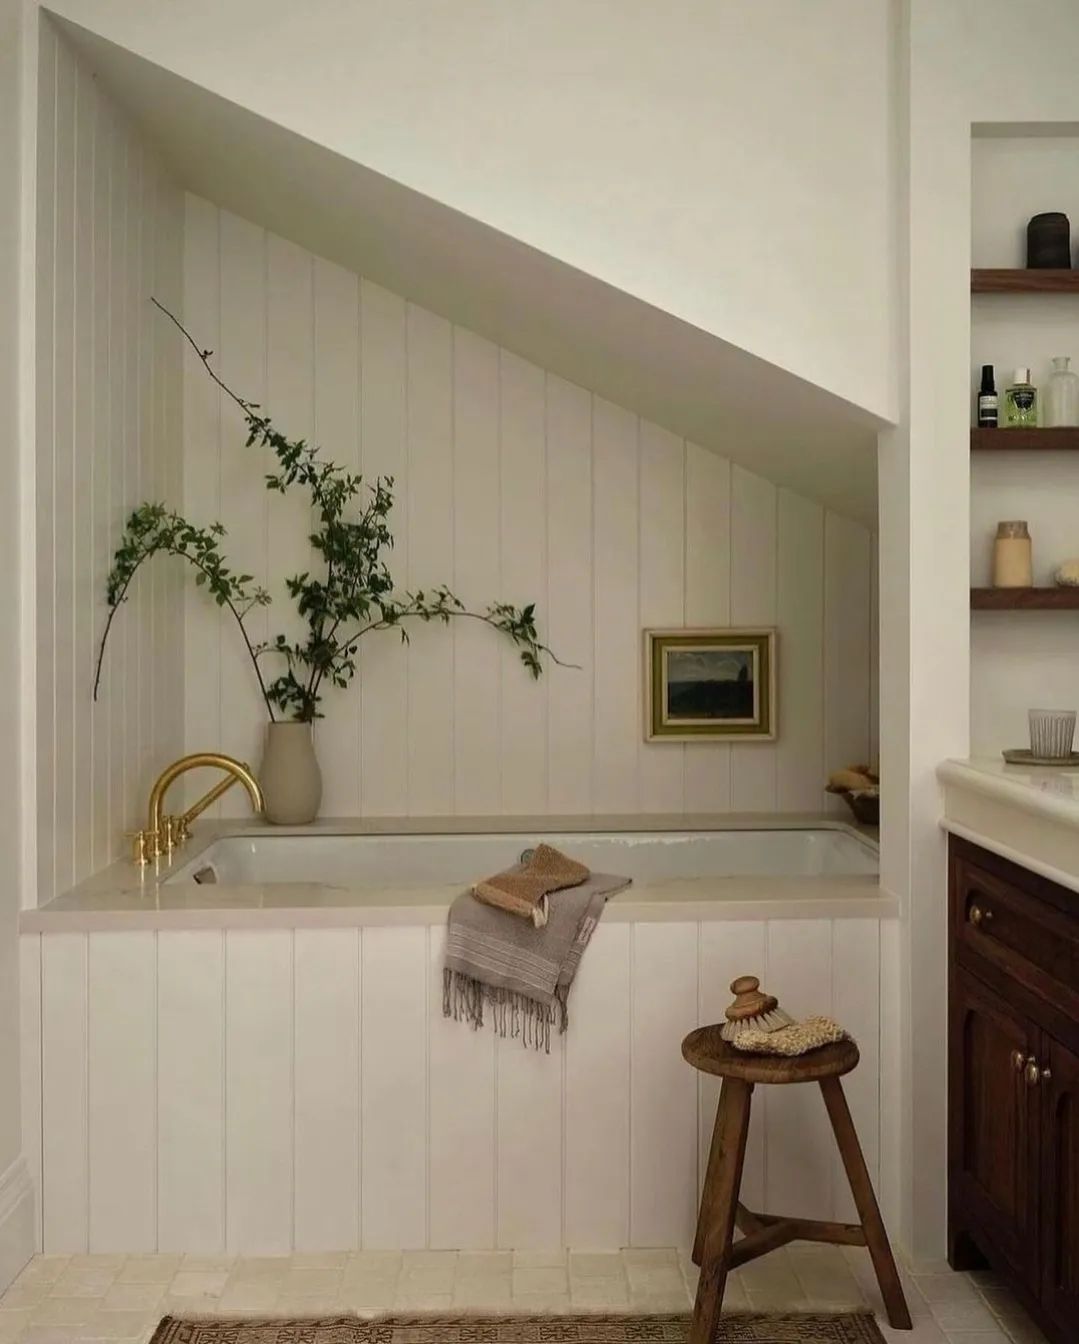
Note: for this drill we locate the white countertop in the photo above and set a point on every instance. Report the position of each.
(1028, 814)
(124, 897)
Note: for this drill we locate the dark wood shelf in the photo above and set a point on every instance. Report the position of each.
(1018, 281)
(1024, 599)
(1024, 440)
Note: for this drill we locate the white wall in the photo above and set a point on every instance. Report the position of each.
(513, 484)
(662, 149)
(16, 1196)
(109, 228)
(1021, 660)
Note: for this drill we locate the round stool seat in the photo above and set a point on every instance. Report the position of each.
(706, 1050)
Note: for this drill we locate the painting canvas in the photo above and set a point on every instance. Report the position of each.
(710, 683)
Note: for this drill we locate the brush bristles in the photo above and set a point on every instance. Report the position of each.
(772, 1021)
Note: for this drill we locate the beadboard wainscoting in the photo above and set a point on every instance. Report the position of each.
(511, 484)
(263, 1091)
(109, 235)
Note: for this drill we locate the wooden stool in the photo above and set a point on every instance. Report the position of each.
(714, 1248)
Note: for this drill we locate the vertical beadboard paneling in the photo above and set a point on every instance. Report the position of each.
(847, 601)
(889, 1181)
(597, 1104)
(240, 354)
(524, 568)
(800, 1146)
(327, 1089)
(259, 1089)
(461, 1126)
(708, 602)
(337, 428)
(728, 950)
(191, 1091)
(383, 661)
(529, 1143)
(477, 661)
(753, 602)
(64, 1094)
(429, 506)
(662, 586)
(799, 615)
(511, 483)
(122, 1063)
(617, 714)
(30, 1064)
(663, 1152)
(568, 603)
(106, 217)
(856, 1000)
(394, 977)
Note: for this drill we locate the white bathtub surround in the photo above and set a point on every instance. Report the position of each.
(1028, 814)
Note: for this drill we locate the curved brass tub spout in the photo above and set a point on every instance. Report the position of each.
(236, 773)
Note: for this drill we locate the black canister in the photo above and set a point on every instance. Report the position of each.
(1049, 242)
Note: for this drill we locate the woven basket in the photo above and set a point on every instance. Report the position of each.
(865, 806)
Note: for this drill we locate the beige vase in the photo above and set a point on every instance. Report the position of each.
(289, 775)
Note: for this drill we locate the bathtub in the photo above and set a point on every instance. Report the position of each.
(378, 861)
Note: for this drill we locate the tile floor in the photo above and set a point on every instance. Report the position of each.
(114, 1297)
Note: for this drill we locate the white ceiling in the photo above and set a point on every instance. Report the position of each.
(788, 430)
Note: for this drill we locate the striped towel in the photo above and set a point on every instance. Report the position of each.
(523, 972)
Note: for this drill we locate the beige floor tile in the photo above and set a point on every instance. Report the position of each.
(649, 1258)
(119, 1324)
(967, 1314)
(208, 1263)
(431, 1282)
(115, 1262)
(483, 1293)
(375, 1295)
(308, 1306)
(75, 1282)
(976, 1337)
(65, 1310)
(599, 1292)
(196, 1283)
(370, 1262)
(44, 1268)
(311, 1282)
(925, 1332)
(539, 1259)
(949, 1287)
(541, 1304)
(659, 1304)
(539, 1279)
(26, 1293)
(420, 1302)
(483, 1264)
(50, 1334)
(133, 1296)
(149, 1268)
(13, 1321)
(428, 1260)
(250, 1297)
(596, 1265)
(319, 1260)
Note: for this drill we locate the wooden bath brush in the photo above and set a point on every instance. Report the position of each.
(752, 1010)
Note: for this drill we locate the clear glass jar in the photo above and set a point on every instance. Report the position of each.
(1062, 395)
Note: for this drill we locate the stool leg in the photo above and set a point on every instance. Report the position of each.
(876, 1238)
(714, 1154)
(718, 1206)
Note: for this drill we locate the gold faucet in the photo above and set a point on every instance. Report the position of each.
(162, 833)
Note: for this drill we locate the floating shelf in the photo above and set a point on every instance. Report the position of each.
(1024, 440)
(1024, 599)
(1018, 281)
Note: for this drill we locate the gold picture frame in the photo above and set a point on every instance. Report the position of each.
(708, 683)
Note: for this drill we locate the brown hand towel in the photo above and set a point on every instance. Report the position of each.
(523, 889)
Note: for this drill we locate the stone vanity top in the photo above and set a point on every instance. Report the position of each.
(1029, 814)
(124, 896)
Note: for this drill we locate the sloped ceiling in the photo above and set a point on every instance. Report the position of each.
(787, 430)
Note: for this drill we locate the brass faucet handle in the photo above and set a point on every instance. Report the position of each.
(173, 834)
(141, 847)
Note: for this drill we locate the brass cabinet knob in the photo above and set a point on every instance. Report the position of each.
(979, 916)
(1033, 1073)
(1018, 1061)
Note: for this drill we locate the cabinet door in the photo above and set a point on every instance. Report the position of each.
(1060, 1186)
(994, 1161)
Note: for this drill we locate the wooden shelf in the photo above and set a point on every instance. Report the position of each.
(1024, 440)
(1024, 599)
(1019, 281)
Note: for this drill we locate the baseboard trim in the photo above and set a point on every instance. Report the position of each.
(16, 1220)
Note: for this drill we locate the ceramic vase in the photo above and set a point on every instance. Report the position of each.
(289, 775)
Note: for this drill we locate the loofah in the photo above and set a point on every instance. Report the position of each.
(1066, 574)
(796, 1039)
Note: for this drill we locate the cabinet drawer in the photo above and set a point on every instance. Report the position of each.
(1018, 931)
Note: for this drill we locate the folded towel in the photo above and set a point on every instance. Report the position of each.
(523, 972)
(524, 888)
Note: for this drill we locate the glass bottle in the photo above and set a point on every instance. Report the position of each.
(1021, 402)
(1013, 565)
(1062, 395)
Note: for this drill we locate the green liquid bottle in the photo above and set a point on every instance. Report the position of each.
(1021, 402)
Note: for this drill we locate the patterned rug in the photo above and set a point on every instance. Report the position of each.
(801, 1328)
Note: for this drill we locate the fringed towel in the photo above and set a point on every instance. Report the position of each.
(522, 972)
(523, 889)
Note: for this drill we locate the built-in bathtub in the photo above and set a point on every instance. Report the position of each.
(260, 1063)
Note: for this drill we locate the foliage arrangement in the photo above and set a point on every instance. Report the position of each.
(352, 595)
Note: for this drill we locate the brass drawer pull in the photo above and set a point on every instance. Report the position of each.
(1033, 1072)
(1018, 1061)
(979, 915)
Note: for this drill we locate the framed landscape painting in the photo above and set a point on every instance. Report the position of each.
(710, 683)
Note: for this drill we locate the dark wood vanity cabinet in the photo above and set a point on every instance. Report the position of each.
(1013, 1162)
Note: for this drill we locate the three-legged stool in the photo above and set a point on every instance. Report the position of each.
(714, 1249)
